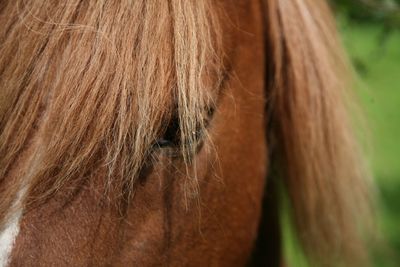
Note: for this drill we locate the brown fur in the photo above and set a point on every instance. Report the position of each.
(96, 84)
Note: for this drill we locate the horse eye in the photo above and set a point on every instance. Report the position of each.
(171, 136)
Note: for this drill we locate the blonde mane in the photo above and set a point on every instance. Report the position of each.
(99, 82)
(313, 110)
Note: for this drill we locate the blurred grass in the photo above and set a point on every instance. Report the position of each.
(378, 66)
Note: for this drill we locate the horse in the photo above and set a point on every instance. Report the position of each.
(163, 133)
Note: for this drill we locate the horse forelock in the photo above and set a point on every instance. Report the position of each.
(99, 82)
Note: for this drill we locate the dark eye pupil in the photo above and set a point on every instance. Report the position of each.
(172, 132)
(171, 136)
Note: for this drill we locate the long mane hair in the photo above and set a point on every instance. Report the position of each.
(98, 81)
(324, 173)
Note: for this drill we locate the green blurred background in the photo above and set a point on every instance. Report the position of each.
(370, 31)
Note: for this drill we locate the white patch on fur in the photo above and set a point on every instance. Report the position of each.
(7, 238)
